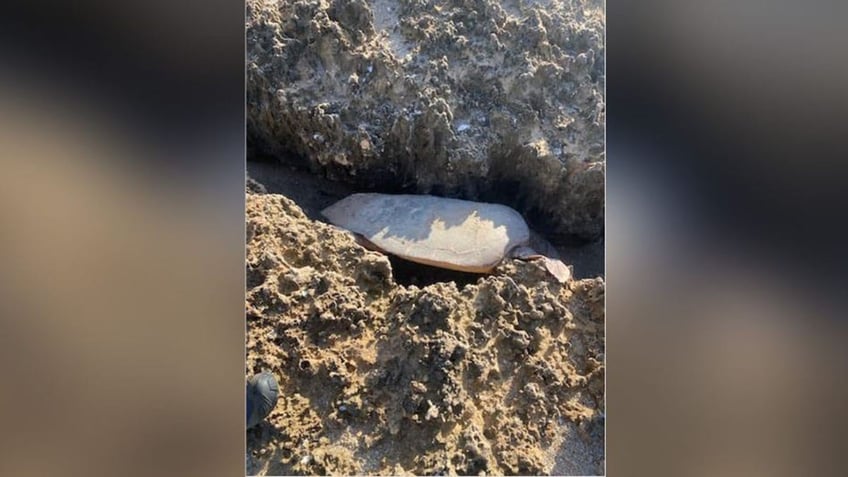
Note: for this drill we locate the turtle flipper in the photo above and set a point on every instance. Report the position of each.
(262, 394)
(559, 270)
(554, 266)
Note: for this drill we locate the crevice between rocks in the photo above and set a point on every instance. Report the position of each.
(312, 193)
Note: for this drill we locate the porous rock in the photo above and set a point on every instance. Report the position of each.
(380, 378)
(474, 99)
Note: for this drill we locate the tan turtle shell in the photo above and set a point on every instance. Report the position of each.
(447, 233)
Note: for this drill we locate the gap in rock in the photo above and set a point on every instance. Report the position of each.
(408, 273)
(313, 193)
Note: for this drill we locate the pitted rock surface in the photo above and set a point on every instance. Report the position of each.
(503, 376)
(474, 99)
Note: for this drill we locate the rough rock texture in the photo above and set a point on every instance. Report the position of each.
(504, 376)
(476, 99)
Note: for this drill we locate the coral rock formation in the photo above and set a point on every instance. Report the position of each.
(475, 99)
(504, 376)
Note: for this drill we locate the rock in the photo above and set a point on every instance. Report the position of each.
(437, 379)
(472, 99)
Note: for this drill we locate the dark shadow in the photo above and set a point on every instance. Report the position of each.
(408, 273)
(310, 192)
(587, 260)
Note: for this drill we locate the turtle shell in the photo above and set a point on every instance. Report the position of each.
(438, 231)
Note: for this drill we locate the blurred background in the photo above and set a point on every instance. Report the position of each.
(121, 318)
(725, 246)
(122, 242)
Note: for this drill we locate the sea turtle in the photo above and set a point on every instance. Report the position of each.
(442, 232)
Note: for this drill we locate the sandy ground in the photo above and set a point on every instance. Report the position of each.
(499, 374)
